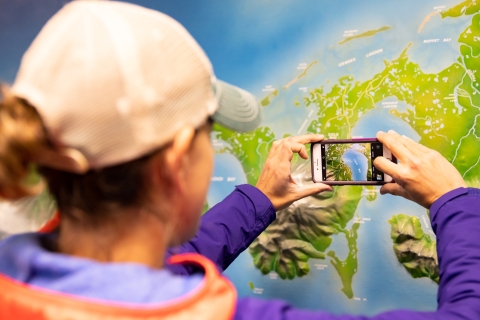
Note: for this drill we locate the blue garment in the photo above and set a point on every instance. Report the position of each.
(228, 229)
(24, 258)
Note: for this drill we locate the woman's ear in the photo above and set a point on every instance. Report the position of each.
(175, 161)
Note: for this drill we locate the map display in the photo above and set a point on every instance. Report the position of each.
(345, 70)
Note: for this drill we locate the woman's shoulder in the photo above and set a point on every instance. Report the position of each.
(25, 258)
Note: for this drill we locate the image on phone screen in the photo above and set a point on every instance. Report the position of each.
(351, 162)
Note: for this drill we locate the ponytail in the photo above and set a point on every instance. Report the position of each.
(24, 143)
(22, 134)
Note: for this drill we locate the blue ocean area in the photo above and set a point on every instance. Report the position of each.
(357, 162)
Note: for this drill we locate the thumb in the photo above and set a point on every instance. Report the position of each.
(394, 189)
(311, 189)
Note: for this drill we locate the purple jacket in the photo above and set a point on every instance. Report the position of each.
(454, 219)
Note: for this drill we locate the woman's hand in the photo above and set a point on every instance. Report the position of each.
(276, 181)
(422, 175)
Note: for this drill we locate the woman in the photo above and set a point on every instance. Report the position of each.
(115, 104)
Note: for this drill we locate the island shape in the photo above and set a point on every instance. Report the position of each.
(369, 33)
(414, 249)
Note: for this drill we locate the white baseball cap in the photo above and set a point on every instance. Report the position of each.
(114, 81)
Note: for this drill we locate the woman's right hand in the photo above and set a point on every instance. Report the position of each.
(422, 175)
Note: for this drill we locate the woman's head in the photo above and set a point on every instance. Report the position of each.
(115, 81)
(177, 174)
(115, 96)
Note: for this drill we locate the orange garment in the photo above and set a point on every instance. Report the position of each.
(215, 298)
(51, 224)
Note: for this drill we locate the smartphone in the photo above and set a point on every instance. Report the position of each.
(349, 162)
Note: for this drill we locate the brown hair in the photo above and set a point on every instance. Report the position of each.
(21, 134)
(97, 192)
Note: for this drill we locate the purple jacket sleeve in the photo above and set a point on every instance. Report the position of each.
(228, 228)
(455, 219)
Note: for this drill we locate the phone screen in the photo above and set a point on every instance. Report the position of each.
(351, 161)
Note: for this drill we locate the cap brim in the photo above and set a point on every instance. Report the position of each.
(237, 109)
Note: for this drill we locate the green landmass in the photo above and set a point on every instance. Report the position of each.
(450, 125)
(465, 8)
(297, 103)
(251, 285)
(268, 99)
(469, 38)
(347, 268)
(341, 108)
(414, 249)
(369, 33)
(371, 193)
(251, 149)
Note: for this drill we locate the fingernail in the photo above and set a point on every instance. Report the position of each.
(392, 131)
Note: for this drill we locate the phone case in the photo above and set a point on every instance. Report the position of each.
(346, 183)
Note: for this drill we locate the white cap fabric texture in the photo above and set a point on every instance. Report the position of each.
(116, 81)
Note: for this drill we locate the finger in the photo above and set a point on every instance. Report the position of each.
(415, 148)
(307, 138)
(312, 189)
(386, 166)
(395, 143)
(298, 148)
(394, 189)
(274, 146)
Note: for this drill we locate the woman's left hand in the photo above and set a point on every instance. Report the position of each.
(276, 181)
